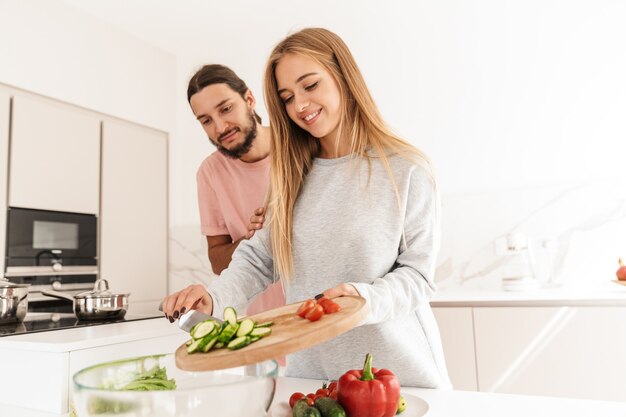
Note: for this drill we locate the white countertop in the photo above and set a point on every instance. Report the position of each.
(470, 404)
(603, 294)
(441, 403)
(67, 340)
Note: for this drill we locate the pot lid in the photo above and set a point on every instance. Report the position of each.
(100, 290)
(5, 283)
(12, 285)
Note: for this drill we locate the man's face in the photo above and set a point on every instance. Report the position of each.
(227, 118)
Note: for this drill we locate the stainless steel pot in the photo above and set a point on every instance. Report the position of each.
(97, 304)
(13, 301)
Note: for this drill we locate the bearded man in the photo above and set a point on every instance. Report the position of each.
(232, 183)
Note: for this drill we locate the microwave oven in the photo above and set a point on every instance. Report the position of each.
(44, 242)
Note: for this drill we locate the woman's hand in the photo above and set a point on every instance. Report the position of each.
(194, 297)
(256, 222)
(340, 290)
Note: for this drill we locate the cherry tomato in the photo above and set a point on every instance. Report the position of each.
(310, 401)
(305, 308)
(295, 397)
(333, 394)
(332, 386)
(330, 307)
(315, 313)
(322, 392)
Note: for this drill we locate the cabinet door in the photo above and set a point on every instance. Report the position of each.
(55, 157)
(556, 351)
(133, 221)
(457, 336)
(5, 101)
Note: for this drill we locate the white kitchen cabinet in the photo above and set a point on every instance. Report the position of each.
(457, 336)
(133, 221)
(5, 108)
(41, 365)
(55, 156)
(557, 351)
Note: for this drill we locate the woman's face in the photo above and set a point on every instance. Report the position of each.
(310, 95)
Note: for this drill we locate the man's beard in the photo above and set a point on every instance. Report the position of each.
(242, 149)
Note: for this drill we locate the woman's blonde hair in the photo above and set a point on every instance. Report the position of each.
(293, 149)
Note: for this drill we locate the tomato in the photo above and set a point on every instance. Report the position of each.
(333, 394)
(330, 306)
(322, 392)
(315, 313)
(295, 397)
(310, 395)
(332, 386)
(310, 401)
(305, 308)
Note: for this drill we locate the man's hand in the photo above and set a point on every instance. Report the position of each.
(194, 297)
(256, 222)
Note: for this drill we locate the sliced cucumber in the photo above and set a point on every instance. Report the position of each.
(239, 342)
(209, 345)
(229, 331)
(194, 346)
(193, 329)
(211, 335)
(230, 315)
(222, 327)
(245, 327)
(261, 331)
(203, 329)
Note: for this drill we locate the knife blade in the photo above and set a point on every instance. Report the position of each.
(191, 318)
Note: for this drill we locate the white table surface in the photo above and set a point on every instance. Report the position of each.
(441, 403)
(444, 403)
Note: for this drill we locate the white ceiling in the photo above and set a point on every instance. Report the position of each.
(163, 23)
(176, 26)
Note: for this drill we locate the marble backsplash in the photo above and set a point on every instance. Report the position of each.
(576, 232)
(188, 257)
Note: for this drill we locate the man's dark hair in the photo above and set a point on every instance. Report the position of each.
(217, 74)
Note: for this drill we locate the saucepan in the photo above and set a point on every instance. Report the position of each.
(98, 304)
(13, 301)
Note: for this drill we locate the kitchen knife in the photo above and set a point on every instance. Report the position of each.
(191, 318)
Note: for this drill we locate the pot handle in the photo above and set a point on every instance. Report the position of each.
(57, 294)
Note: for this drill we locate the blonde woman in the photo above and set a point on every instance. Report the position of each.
(352, 211)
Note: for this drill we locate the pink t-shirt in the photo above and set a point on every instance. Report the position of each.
(229, 190)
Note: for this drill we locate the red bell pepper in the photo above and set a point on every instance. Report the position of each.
(369, 392)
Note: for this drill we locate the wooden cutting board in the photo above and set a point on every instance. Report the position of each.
(290, 333)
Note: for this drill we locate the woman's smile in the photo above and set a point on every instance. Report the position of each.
(310, 118)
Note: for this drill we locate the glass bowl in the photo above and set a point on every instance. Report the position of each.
(236, 392)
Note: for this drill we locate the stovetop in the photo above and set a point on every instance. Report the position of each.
(43, 322)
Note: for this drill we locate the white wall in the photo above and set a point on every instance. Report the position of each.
(506, 97)
(55, 50)
(501, 94)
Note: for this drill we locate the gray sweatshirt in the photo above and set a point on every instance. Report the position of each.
(346, 230)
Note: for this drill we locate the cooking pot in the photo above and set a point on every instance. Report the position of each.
(98, 304)
(13, 301)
